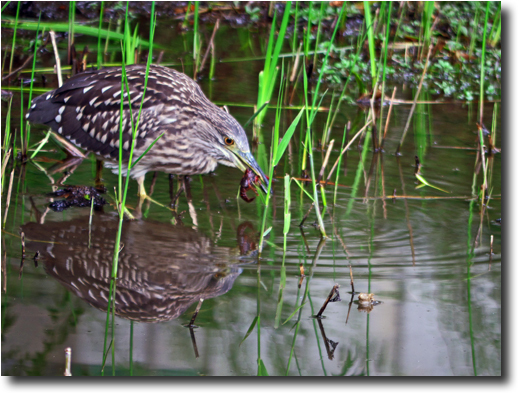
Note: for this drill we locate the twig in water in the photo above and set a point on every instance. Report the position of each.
(193, 341)
(351, 281)
(306, 215)
(336, 297)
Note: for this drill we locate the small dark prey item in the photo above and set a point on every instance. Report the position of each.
(247, 183)
(77, 196)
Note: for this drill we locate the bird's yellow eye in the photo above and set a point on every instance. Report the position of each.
(228, 141)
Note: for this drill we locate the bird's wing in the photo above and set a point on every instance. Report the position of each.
(86, 109)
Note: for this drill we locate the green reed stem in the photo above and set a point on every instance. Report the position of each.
(123, 193)
(371, 43)
(99, 52)
(14, 36)
(482, 72)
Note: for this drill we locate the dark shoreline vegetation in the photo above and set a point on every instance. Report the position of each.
(328, 80)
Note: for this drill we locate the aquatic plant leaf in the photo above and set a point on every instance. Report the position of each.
(286, 138)
(293, 313)
(262, 370)
(249, 331)
(424, 182)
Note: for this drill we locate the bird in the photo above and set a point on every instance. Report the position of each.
(192, 135)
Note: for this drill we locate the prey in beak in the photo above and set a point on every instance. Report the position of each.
(253, 175)
(246, 162)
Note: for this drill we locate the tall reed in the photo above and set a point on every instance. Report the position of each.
(267, 77)
(482, 71)
(123, 192)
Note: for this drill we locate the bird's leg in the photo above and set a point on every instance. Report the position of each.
(99, 173)
(142, 194)
(177, 195)
(142, 190)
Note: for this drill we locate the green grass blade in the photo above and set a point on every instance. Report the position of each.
(147, 150)
(425, 183)
(249, 331)
(286, 138)
(78, 29)
(256, 114)
(293, 313)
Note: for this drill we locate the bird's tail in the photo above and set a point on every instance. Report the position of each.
(44, 111)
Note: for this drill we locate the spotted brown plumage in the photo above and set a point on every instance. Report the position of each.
(197, 135)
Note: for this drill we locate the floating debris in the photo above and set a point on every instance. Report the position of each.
(77, 196)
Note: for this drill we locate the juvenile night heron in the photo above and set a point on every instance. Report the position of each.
(198, 135)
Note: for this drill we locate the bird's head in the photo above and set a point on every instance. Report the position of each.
(221, 136)
(232, 147)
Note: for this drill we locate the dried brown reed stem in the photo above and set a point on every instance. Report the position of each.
(341, 241)
(304, 239)
(8, 199)
(325, 162)
(6, 160)
(302, 275)
(388, 117)
(406, 128)
(210, 46)
(195, 314)
(295, 85)
(193, 341)
(56, 55)
(351, 280)
(296, 63)
(306, 215)
(18, 69)
(346, 148)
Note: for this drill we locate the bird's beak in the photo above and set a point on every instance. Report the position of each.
(246, 160)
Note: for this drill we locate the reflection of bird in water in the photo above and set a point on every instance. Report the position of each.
(197, 135)
(162, 269)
